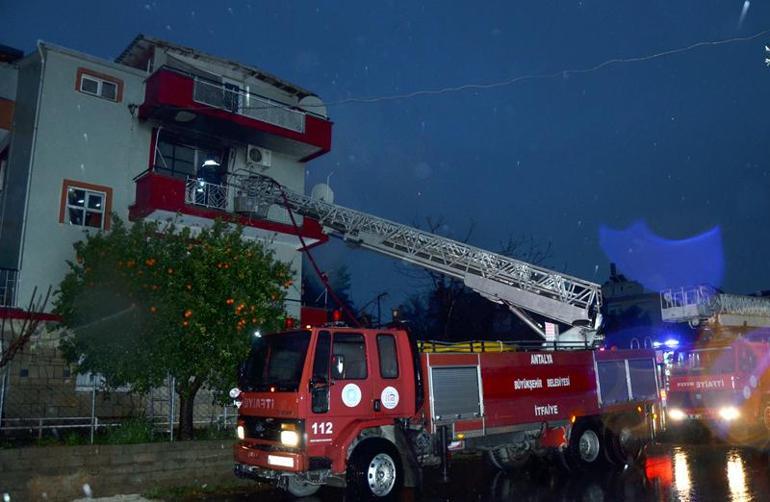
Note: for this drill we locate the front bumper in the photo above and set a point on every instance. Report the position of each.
(267, 458)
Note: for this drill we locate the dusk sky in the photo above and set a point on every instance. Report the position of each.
(680, 142)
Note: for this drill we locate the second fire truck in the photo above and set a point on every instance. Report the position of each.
(722, 379)
(369, 408)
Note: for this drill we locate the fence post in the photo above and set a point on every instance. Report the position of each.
(40, 428)
(224, 417)
(171, 409)
(93, 407)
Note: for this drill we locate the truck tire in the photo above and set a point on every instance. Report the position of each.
(585, 450)
(375, 471)
(301, 488)
(765, 418)
(623, 443)
(507, 460)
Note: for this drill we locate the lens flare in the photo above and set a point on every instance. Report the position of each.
(659, 263)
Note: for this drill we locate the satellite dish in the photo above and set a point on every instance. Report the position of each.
(322, 192)
(313, 105)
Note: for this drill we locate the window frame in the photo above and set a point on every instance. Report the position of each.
(395, 355)
(87, 187)
(167, 165)
(100, 79)
(365, 354)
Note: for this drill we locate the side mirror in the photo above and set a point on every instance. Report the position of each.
(318, 382)
(338, 366)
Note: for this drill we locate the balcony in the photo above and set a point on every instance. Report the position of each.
(197, 203)
(248, 105)
(226, 111)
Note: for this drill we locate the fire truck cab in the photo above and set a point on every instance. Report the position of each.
(308, 397)
(725, 385)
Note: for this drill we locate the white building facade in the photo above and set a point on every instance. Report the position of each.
(161, 133)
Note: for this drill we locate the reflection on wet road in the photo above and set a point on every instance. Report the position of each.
(671, 472)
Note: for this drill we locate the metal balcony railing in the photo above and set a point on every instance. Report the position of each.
(8, 281)
(235, 100)
(202, 193)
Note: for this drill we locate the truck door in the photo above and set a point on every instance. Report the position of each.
(391, 376)
(342, 392)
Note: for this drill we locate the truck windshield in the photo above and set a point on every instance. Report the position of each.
(275, 362)
(709, 361)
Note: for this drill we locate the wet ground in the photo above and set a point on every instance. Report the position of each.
(678, 471)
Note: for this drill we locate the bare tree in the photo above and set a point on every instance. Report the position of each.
(19, 337)
(447, 301)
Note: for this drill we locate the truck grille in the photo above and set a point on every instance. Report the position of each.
(268, 429)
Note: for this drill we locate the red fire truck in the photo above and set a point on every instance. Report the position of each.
(369, 408)
(722, 379)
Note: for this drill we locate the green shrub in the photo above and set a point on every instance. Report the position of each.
(214, 432)
(132, 431)
(75, 438)
(47, 441)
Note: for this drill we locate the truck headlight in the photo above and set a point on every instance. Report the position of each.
(240, 431)
(289, 438)
(729, 413)
(676, 414)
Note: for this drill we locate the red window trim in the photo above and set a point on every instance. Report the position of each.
(66, 184)
(108, 78)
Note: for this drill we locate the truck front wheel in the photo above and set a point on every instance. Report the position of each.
(301, 488)
(375, 471)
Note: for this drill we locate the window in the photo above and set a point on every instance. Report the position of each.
(182, 158)
(100, 85)
(321, 360)
(353, 351)
(386, 346)
(85, 205)
(276, 361)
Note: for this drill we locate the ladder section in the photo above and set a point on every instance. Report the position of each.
(702, 303)
(499, 278)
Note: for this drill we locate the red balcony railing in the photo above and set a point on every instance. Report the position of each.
(215, 108)
(161, 197)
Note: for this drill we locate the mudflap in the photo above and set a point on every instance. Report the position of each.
(412, 468)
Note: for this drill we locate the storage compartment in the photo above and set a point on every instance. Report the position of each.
(455, 392)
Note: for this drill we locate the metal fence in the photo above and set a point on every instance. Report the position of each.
(203, 193)
(41, 398)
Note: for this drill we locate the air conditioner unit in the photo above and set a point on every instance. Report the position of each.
(256, 156)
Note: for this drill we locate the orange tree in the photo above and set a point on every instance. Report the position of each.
(151, 300)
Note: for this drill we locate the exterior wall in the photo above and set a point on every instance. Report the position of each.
(40, 384)
(82, 138)
(14, 194)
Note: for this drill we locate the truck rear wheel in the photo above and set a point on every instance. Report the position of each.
(301, 488)
(508, 459)
(623, 443)
(585, 450)
(375, 471)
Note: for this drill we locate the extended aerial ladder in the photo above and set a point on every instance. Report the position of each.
(703, 305)
(524, 288)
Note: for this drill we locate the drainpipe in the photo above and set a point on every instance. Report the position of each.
(41, 51)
